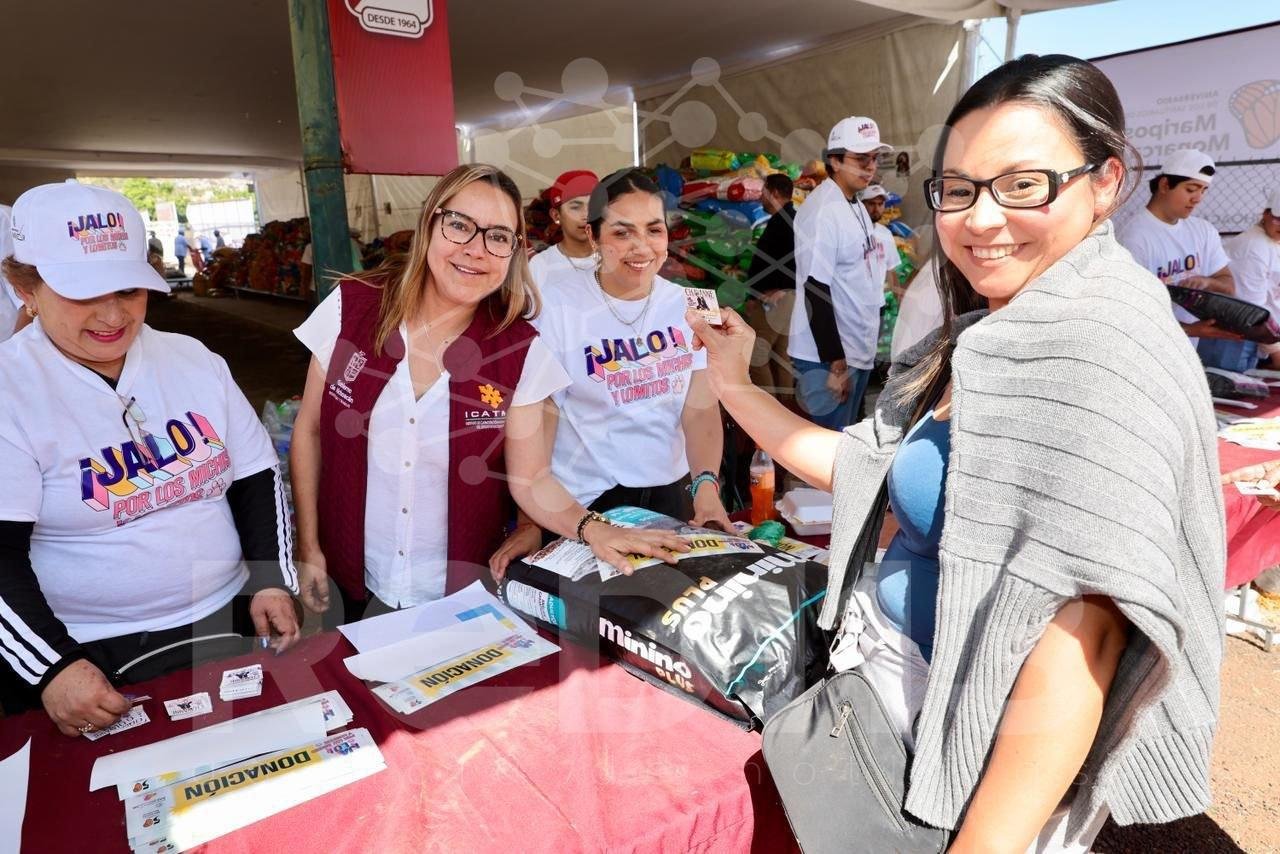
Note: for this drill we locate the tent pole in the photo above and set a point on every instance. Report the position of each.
(969, 57)
(321, 144)
(1011, 17)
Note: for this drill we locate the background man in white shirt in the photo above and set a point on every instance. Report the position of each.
(1181, 249)
(839, 281)
(1255, 264)
(874, 199)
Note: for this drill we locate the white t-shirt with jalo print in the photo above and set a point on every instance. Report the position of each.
(1189, 247)
(127, 539)
(620, 419)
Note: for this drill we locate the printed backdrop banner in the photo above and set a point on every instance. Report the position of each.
(1220, 95)
(394, 86)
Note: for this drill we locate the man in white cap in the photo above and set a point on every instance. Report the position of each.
(874, 199)
(839, 281)
(1255, 264)
(1179, 248)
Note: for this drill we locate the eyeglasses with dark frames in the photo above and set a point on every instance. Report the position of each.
(1025, 188)
(457, 227)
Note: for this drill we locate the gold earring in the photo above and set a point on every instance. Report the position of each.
(31, 312)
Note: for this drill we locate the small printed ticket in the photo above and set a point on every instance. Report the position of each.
(703, 302)
(189, 707)
(1260, 487)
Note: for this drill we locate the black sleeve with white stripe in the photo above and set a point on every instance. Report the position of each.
(262, 520)
(34, 643)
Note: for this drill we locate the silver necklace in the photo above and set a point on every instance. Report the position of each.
(639, 318)
(592, 261)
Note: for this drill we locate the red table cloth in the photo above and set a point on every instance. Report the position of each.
(1253, 531)
(567, 754)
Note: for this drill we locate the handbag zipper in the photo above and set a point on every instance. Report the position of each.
(863, 753)
(846, 709)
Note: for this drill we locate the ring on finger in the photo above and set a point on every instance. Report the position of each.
(87, 728)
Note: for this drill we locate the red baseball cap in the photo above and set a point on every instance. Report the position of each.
(571, 185)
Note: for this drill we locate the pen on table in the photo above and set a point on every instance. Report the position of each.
(133, 701)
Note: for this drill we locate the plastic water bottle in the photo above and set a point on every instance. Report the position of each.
(762, 485)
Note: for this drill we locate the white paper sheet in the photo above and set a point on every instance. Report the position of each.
(216, 745)
(408, 656)
(14, 773)
(1242, 404)
(386, 629)
(337, 714)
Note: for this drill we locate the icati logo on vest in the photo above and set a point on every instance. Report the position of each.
(406, 18)
(493, 417)
(354, 365)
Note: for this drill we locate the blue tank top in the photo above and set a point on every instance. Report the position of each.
(907, 586)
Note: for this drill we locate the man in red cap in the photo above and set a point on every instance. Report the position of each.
(568, 198)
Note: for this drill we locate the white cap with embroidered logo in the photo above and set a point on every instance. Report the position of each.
(85, 241)
(858, 134)
(1189, 163)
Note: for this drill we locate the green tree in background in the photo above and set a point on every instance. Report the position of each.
(145, 193)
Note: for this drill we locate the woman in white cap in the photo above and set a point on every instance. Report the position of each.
(142, 524)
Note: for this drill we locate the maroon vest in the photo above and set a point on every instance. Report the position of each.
(483, 371)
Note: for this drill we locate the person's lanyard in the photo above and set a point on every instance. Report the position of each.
(868, 244)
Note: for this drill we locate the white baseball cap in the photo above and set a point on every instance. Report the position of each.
(1189, 163)
(858, 134)
(1273, 202)
(875, 191)
(85, 241)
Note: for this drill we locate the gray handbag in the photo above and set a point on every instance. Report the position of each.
(841, 768)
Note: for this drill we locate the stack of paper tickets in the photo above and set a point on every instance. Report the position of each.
(196, 809)
(241, 682)
(236, 772)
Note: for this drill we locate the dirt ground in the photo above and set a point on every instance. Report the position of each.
(252, 334)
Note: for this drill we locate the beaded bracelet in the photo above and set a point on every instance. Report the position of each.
(700, 479)
(589, 517)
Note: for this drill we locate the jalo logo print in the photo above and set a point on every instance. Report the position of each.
(406, 18)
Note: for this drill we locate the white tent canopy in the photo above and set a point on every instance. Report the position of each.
(207, 87)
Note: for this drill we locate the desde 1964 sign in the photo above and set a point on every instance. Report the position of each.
(394, 86)
(407, 18)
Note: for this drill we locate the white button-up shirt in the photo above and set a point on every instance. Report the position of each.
(406, 523)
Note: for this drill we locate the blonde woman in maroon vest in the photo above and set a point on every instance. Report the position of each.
(399, 476)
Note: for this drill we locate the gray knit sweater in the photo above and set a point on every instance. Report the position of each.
(1083, 461)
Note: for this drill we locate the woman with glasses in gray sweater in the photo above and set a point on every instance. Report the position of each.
(1046, 627)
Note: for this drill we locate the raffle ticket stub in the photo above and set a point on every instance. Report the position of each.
(703, 302)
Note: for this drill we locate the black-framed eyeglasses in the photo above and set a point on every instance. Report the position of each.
(1025, 188)
(862, 160)
(459, 228)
